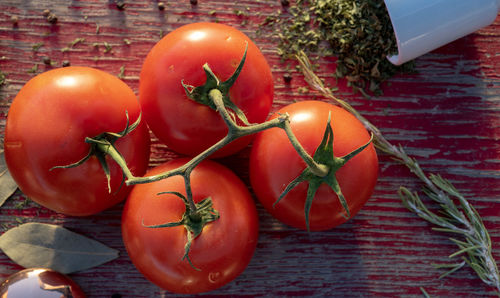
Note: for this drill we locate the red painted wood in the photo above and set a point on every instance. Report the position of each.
(447, 116)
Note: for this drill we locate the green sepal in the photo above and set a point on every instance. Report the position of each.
(102, 145)
(323, 155)
(194, 224)
(200, 93)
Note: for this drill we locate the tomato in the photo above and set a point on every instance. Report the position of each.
(46, 127)
(184, 125)
(274, 163)
(40, 283)
(220, 253)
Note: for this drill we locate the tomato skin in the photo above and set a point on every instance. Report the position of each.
(47, 124)
(274, 163)
(183, 125)
(221, 252)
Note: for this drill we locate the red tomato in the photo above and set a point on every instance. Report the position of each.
(182, 124)
(40, 283)
(47, 124)
(274, 163)
(221, 252)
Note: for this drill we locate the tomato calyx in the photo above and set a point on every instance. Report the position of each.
(201, 94)
(323, 156)
(193, 222)
(104, 144)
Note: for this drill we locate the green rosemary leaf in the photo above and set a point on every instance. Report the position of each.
(424, 292)
(452, 268)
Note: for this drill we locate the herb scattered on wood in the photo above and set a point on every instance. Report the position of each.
(33, 69)
(52, 18)
(3, 78)
(107, 47)
(76, 41)
(120, 4)
(121, 75)
(460, 219)
(47, 61)
(358, 32)
(37, 46)
(20, 205)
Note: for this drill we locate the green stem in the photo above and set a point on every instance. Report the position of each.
(317, 169)
(117, 157)
(235, 131)
(218, 99)
(193, 210)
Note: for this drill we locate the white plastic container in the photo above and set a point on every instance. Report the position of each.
(421, 26)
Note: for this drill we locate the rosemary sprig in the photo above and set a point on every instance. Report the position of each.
(462, 219)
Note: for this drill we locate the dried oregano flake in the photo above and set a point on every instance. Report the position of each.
(358, 32)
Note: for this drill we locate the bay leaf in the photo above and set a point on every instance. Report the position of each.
(54, 247)
(7, 185)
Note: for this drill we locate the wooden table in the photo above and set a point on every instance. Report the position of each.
(447, 116)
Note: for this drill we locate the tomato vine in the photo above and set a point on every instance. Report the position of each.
(320, 168)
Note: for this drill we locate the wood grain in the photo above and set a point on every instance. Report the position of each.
(447, 116)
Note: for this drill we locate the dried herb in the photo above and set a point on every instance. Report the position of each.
(358, 32)
(120, 4)
(47, 61)
(3, 78)
(51, 18)
(73, 44)
(53, 247)
(107, 47)
(33, 69)
(37, 46)
(76, 41)
(7, 185)
(121, 75)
